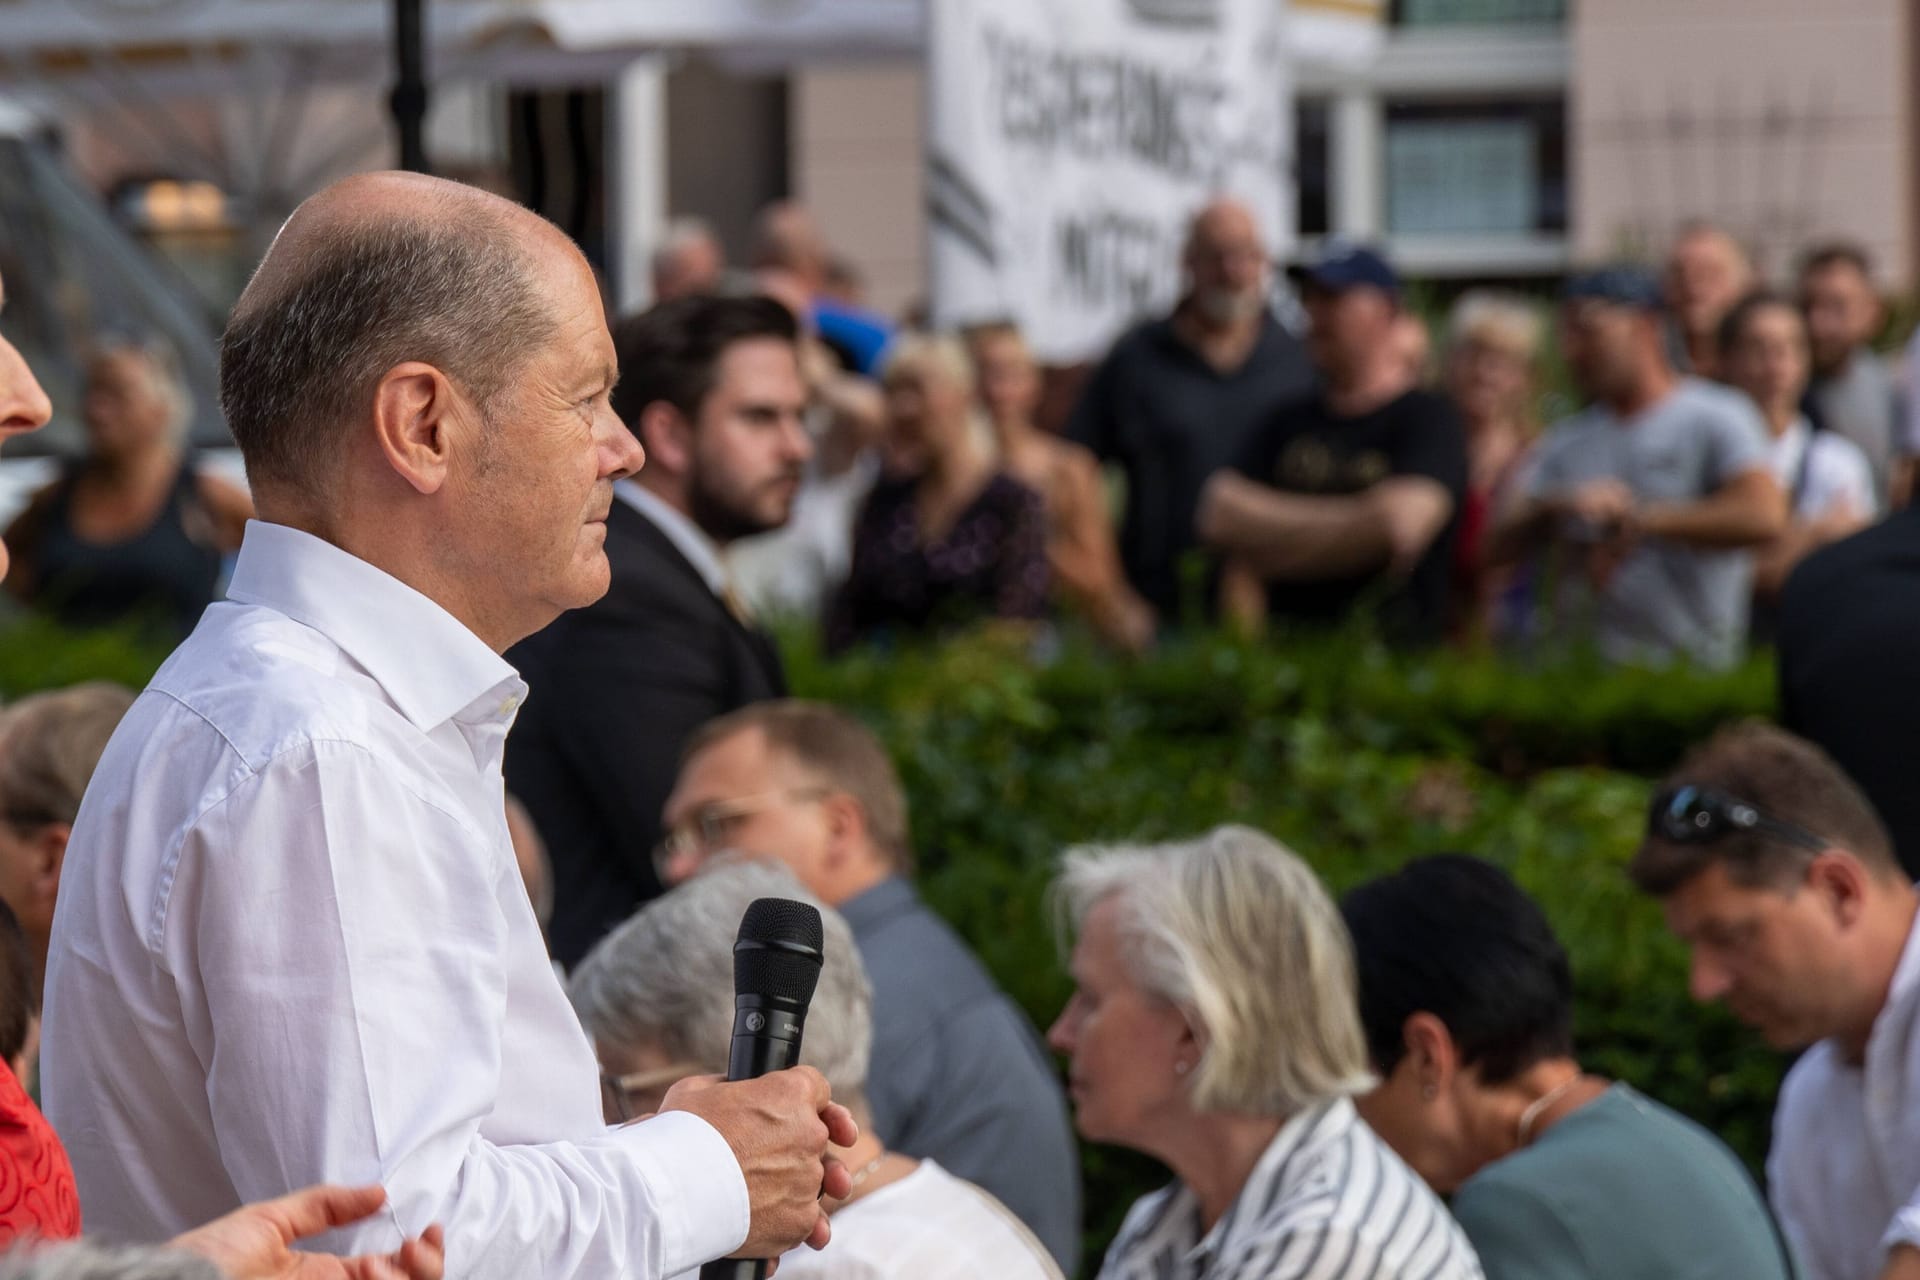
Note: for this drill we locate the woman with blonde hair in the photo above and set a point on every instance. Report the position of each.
(132, 530)
(1492, 348)
(949, 537)
(1214, 1026)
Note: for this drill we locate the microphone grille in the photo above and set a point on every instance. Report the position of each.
(782, 921)
(778, 951)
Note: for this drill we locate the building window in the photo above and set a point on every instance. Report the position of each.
(1479, 13)
(1476, 168)
(1312, 166)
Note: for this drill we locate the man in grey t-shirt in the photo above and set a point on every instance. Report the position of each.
(1653, 495)
(1852, 393)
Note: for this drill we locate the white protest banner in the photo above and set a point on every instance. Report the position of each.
(1069, 142)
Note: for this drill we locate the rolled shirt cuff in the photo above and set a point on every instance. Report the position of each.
(698, 1186)
(1903, 1230)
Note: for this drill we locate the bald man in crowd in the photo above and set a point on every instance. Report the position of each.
(293, 945)
(1707, 272)
(1177, 398)
(689, 261)
(790, 252)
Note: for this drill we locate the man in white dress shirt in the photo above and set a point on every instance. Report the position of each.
(1776, 873)
(292, 944)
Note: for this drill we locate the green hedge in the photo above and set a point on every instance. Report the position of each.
(1356, 758)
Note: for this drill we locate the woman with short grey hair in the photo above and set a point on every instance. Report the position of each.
(656, 997)
(1214, 1026)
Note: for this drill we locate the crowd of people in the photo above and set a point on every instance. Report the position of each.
(395, 917)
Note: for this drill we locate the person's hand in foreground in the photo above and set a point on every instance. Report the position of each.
(254, 1241)
(779, 1127)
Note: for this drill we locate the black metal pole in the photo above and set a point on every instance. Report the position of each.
(410, 83)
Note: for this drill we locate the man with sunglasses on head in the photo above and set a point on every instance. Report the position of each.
(1774, 870)
(958, 1074)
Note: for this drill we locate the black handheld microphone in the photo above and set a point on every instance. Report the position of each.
(776, 964)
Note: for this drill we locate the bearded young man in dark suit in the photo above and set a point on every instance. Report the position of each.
(712, 388)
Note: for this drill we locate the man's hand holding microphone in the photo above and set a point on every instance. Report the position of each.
(780, 1127)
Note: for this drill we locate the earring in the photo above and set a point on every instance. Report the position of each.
(1429, 1092)
(1181, 1068)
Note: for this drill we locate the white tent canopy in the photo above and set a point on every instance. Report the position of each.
(188, 45)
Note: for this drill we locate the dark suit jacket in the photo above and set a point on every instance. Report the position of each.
(615, 691)
(1847, 623)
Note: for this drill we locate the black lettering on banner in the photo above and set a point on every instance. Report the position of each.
(1109, 259)
(1097, 106)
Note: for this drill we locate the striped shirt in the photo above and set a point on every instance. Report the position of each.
(1326, 1201)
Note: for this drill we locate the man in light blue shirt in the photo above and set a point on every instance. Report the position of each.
(959, 1075)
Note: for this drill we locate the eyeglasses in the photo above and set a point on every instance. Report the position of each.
(1701, 815)
(635, 1094)
(708, 827)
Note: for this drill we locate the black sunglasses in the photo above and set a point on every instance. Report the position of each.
(1701, 815)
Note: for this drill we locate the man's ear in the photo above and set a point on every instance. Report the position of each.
(418, 419)
(49, 853)
(1430, 1048)
(667, 436)
(1841, 881)
(846, 827)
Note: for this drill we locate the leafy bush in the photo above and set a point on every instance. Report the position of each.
(1356, 760)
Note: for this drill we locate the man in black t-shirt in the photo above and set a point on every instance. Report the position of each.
(1345, 501)
(1177, 397)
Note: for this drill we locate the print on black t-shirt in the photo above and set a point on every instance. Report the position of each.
(1306, 448)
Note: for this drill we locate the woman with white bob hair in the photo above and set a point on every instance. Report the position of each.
(1214, 1026)
(656, 996)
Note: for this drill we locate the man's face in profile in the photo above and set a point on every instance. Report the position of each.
(24, 406)
(1769, 954)
(536, 491)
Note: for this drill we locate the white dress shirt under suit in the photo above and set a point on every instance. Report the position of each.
(292, 947)
(1845, 1166)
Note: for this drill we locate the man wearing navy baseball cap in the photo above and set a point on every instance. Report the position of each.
(1346, 500)
(1653, 496)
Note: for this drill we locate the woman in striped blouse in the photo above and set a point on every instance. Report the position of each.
(1214, 1027)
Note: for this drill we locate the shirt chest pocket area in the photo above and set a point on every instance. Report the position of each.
(1666, 473)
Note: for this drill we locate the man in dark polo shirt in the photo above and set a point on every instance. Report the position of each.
(1176, 398)
(1345, 500)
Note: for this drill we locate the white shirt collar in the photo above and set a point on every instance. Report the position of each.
(701, 551)
(426, 660)
(1893, 1026)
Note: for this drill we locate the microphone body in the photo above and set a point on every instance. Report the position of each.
(776, 963)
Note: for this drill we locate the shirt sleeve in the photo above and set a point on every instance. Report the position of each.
(1432, 443)
(339, 947)
(1842, 477)
(1259, 452)
(1519, 1236)
(1093, 422)
(1540, 475)
(1912, 399)
(1736, 441)
(1786, 1194)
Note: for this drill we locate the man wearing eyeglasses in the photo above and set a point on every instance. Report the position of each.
(1774, 870)
(958, 1074)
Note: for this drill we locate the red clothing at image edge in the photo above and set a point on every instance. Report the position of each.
(37, 1194)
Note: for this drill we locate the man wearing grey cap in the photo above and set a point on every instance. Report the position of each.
(1652, 496)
